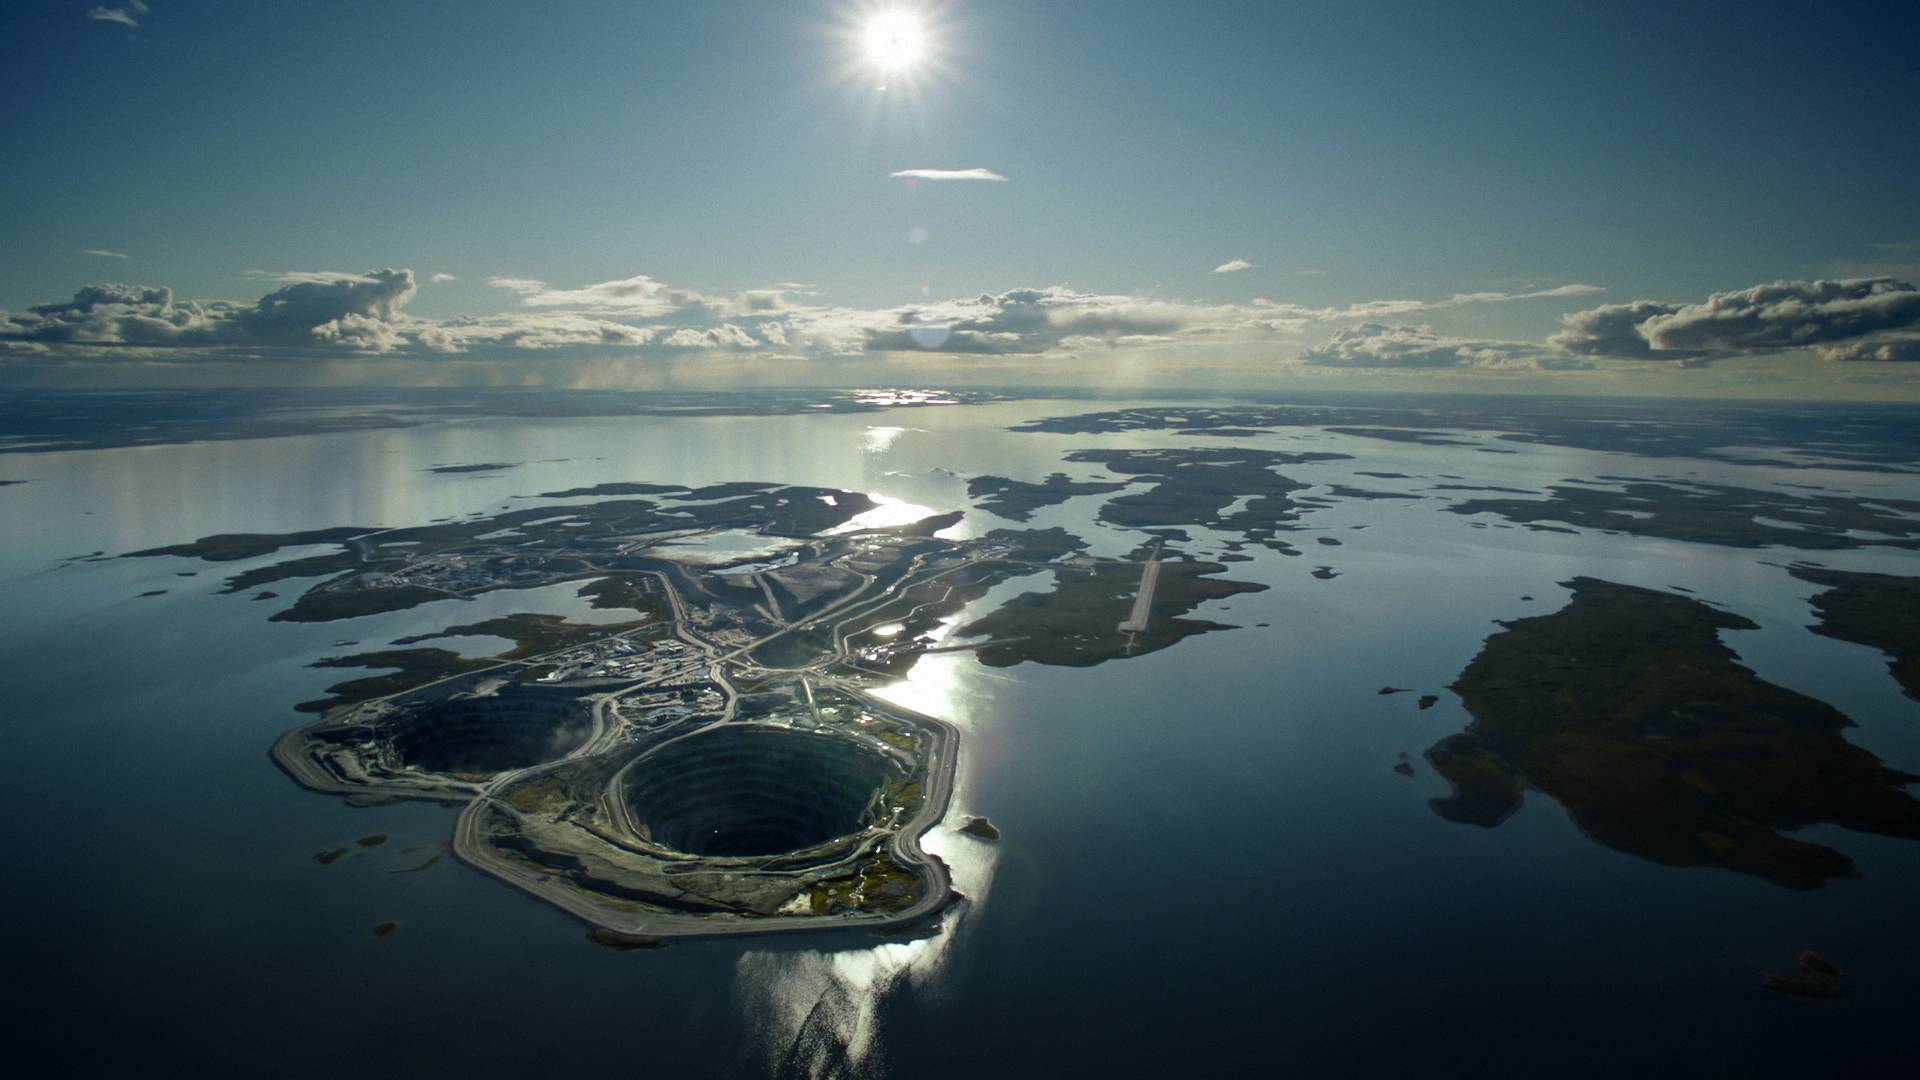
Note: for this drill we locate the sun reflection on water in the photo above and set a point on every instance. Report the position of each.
(818, 1013)
(889, 513)
(879, 439)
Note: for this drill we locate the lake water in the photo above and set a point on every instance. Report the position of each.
(1208, 862)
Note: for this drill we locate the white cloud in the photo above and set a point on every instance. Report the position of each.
(1378, 309)
(724, 336)
(523, 286)
(1382, 345)
(317, 313)
(1564, 363)
(441, 279)
(645, 297)
(1576, 289)
(329, 312)
(128, 16)
(1233, 266)
(1032, 320)
(637, 295)
(308, 277)
(1883, 350)
(945, 174)
(1787, 314)
(1609, 330)
(1374, 309)
(112, 314)
(762, 300)
(1780, 316)
(105, 254)
(531, 330)
(356, 311)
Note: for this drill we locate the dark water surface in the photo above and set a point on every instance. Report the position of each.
(1208, 861)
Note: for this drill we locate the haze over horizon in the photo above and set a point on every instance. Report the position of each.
(1706, 199)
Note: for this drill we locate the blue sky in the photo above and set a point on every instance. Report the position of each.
(1406, 181)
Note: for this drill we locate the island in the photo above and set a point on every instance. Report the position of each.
(1722, 514)
(1626, 708)
(715, 761)
(1881, 611)
(1225, 490)
(1740, 433)
(1016, 500)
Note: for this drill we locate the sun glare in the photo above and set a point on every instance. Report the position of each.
(895, 57)
(893, 40)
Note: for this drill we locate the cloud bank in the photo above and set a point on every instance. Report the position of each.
(321, 313)
(637, 295)
(1786, 315)
(1382, 345)
(1888, 350)
(1849, 317)
(1611, 330)
(355, 311)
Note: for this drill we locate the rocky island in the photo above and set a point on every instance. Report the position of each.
(717, 763)
(1626, 708)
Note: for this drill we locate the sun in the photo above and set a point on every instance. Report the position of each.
(893, 41)
(896, 56)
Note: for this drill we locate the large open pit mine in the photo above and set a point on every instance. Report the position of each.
(509, 730)
(750, 790)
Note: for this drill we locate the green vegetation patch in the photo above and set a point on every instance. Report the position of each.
(532, 634)
(1728, 431)
(544, 795)
(1076, 624)
(1877, 610)
(338, 562)
(476, 467)
(546, 547)
(1717, 514)
(1626, 708)
(327, 605)
(1404, 435)
(639, 593)
(620, 488)
(1016, 500)
(411, 668)
(877, 886)
(1038, 545)
(1198, 486)
(229, 547)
